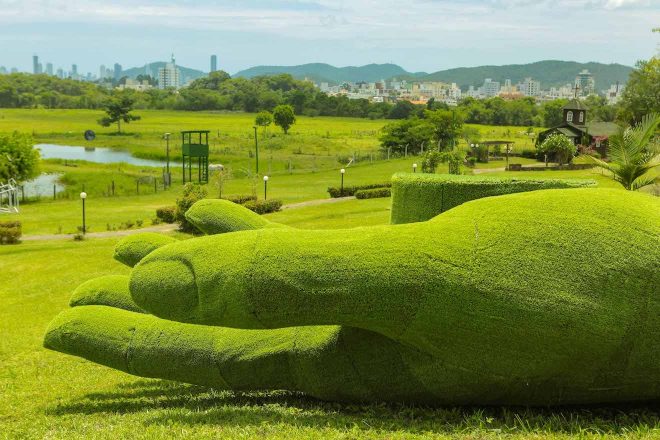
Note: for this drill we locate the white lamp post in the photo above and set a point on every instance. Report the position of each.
(414, 168)
(265, 186)
(342, 171)
(83, 196)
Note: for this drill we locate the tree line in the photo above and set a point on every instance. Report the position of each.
(219, 91)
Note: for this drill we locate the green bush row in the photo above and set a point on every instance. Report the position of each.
(420, 197)
(10, 232)
(351, 190)
(373, 193)
(166, 214)
(241, 199)
(263, 206)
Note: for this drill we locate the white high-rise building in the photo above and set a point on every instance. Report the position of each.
(529, 87)
(586, 83)
(490, 88)
(169, 76)
(613, 94)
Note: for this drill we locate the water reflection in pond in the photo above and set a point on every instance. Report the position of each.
(98, 155)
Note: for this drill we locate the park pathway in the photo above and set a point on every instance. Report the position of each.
(165, 227)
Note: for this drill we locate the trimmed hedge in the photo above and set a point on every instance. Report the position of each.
(241, 199)
(351, 190)
(417, 197)
(166, 214)
(263, 206)
(536, 298)
(10, 232)
(373, 193)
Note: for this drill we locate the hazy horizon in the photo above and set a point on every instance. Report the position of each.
(424, 35)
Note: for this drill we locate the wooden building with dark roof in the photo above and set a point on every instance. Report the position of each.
(577, 128)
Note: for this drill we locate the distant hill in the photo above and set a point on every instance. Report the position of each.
(550, 73)
(187, 74)
(320, 72)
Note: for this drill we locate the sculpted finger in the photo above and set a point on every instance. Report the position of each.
(111, 290)
(217, 216)
(327, 362)
(132, 249)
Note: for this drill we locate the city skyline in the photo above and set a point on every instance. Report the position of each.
(424, 36)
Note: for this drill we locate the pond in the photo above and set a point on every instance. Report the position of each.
(42, 186)
(98, 155)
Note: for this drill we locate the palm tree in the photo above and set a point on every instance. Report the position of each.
(633, 154)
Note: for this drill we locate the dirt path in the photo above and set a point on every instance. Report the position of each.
(165, 227)
(317, 202)
(487, 170)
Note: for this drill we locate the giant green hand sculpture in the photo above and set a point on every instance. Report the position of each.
(541, 298)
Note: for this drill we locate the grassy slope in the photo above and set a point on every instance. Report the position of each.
(313, 143)
(46, 394)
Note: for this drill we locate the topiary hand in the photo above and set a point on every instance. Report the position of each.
(536, 298)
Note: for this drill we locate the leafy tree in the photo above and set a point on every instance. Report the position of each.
(401, 110)
(560, 146)
(212, 82)
(447, 127)
(118, 108)
(264, 118)
(454, 158)
(633, 153)
(471, 135)
(284, 117)
(430, 161)
(552, 112)
(19, 160)
(642, 93)
(407, 133)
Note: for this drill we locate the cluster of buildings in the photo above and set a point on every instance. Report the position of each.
(393, 90)
(421, 92)
(167, 76)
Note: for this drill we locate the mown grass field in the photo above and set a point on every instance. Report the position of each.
(50, 395)
(313, 144)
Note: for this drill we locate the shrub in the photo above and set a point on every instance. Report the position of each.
(373, 193)
(166, 214)
(241, 198)
(560, 147)
(351, 190)
(263, 206)
(191, 194)
(420, 197)
(10, 232)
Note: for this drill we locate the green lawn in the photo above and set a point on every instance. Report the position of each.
(64, 215)
(50, 395)
(313, 143)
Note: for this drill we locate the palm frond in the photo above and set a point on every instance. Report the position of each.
(641, 182)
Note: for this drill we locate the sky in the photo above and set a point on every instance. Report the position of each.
(419, 35)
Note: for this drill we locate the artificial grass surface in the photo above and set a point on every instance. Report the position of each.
(471, 314)
(48, 395)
